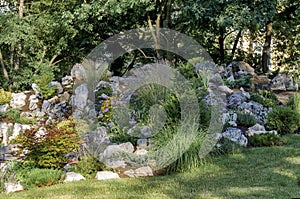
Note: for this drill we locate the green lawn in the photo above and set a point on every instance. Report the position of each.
(256, 173)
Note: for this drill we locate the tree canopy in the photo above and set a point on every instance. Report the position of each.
(42, 39)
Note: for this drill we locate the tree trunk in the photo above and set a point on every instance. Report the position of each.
(221, 45)
(5, 73)
(236, 43)
(267, 46)
(19, 46)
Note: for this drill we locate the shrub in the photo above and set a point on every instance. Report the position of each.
(244, 82)
(294, 102)
(265, 98)
(5, 96)
(267, 139)
(39, 177)
(43, 77)
(226, 146)
(283, 119)
(88, 166)
(49, 150)
(14, 116)
(245, 119)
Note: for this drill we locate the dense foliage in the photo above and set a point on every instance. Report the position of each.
(48, 147)
(283, 119)
(42, 39)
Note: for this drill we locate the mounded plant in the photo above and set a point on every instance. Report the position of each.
(5, 96)
(267, 139)
(48, 149)
(283, 119)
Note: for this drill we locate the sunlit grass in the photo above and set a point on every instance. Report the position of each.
(262, 172)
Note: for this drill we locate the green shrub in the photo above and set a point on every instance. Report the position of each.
(49, 150)
(39, 177)
(14, 116)
(43, 78)
(226, 146)
(5, 96)
(267, 139)
(244, 82)
(88, 166)
(283, 119)
(265, 98)
(294, 102)
(245, 119)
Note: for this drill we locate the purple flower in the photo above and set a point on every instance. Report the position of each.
(132, 121)
(105, 110)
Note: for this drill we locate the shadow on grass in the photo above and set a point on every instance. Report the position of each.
(266, 172)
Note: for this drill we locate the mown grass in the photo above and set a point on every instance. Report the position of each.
(262, 172)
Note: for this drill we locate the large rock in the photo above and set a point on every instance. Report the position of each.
(4, 129)
(258, 129)
(235, 135)
(72, 176)
(236, 99)
(113, 155)
(33, 102)
(18, 100)
(13, 187)
(80, 97)
(116, 149)
(283, 82)
(67, 81)
(17, 129)
(238, 69)
(139, 172)
(4, 107)
(58, 86)
(106, 175)
(230, 118)
(78, 73)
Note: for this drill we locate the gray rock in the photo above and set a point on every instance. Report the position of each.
(239, 69)
(80, 99)
(17, 129)
(142, 143)
(236, 99)
(36, 89)
(139, 172)
(258, 129)
(225, 89)
(235, 135)
(13, 187)
(106, 175)
(72, 176)
(67, 81)
(117, 149)
(283, 82)
(146, 132)
(258, 111)
(57, 85)
(141, 152)
(78, 73)
(33, 102)
(46, 106)
(4, 129)
(143, 172)
(229, 117)
(4, 108)
(65, 97)
(18, 100)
